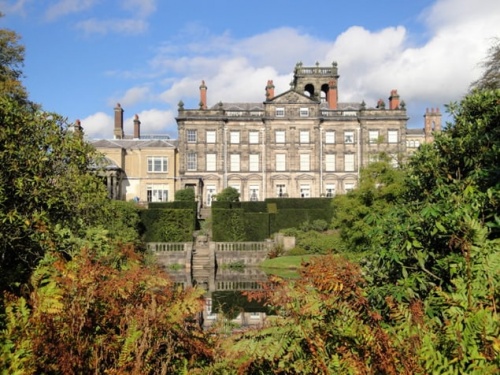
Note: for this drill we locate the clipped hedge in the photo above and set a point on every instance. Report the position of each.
(168, 225)
(176, 204)
(257, 221)
(228, 225)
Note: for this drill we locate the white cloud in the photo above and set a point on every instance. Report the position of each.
(98, 125)
(118, 26)
(65, 7)
(140, 8)
(15, 7)
(132, 96)
(153, 121)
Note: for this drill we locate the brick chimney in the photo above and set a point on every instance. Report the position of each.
(269, 90)
(137, 127)
(203, 95)
(432, 123)
(332, 96)
(394, 100)
(118, 132)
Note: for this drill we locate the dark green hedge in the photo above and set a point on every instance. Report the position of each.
(305, 203)
(256, 221)
(175, 204)
(168, 225)
(228, 225)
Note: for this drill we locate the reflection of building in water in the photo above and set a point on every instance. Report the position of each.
(243, 319)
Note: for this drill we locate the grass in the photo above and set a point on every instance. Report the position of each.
(284, 266)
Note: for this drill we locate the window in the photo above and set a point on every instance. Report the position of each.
(211, 136)
(253, 192)
(304, 112)
(253, 137)
(392, 136)
(280, 112)
(157, 164)
(234, 162)
(349, 162)
(305, 191)
(191, 136)
(253, 163)
(235, 137)
(348, 186)
(157, 193)
(280, 162)
(280, 190)
(330, 137)
(330, 162)
(280, 136)
(304, 136)
(330, 190)
(305, 162)
(191, 161)
(211, 162)
(373, 136)
(348, 137)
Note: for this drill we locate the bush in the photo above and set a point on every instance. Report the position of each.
(185, 195)
(229, 194)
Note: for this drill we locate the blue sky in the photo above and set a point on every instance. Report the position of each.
(84, 56)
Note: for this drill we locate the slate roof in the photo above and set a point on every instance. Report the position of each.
(134, 143)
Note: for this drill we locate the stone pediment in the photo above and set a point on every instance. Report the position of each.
(292, 97)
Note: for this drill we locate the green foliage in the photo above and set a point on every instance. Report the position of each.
(229, 194)
(11, 62)
(168, 225)
(124, 222)
(355, 214)
(186, 194)
(228, 225)
(45, 182)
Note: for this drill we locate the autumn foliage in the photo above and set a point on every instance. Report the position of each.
(103, 312)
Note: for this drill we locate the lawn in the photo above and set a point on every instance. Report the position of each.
(284, 266)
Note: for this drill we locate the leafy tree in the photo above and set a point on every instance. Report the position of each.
(490, 78)
(380, 188)
(11, 62)
(186, 194)
(45, 184)
(229, 194)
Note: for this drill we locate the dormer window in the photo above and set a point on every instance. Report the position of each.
(280, 112)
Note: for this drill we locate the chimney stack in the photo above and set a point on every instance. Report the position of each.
(432, 123)
(118, 132)
(394, 100)
(269, 90)
(137, 127)
(332, 95)
(203, 95)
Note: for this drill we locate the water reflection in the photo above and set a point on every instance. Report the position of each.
(224, 296)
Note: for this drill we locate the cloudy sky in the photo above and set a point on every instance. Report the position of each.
(84, 56)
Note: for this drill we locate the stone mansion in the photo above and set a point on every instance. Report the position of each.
(299, 143)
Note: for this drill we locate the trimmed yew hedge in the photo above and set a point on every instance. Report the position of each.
(256, 221)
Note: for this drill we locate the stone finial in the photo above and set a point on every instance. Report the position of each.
(180, 105)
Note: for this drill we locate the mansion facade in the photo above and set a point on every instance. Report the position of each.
(300, 143)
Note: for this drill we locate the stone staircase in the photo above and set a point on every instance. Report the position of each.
(201, 268)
